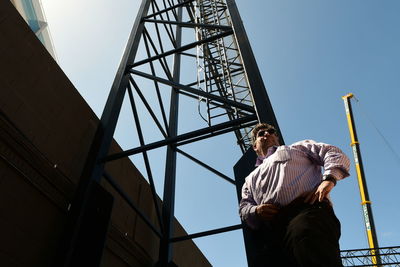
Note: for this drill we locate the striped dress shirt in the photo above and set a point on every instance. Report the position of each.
(289, 172)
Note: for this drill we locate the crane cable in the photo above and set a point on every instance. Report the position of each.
(377, 129)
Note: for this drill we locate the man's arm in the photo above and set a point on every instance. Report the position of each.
(336, 166)
(248, 206)
(252, 213)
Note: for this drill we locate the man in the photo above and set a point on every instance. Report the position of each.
(286, 200)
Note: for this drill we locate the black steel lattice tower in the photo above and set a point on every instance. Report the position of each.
(197, 50)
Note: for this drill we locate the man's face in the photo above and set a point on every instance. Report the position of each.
(265, 138)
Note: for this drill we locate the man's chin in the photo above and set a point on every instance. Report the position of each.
(266, 146)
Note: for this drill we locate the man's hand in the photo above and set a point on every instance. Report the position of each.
(267, 211)
(320, 193)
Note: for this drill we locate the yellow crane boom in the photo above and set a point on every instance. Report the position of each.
(365, 201)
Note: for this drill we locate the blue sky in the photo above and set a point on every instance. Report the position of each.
(310, 53)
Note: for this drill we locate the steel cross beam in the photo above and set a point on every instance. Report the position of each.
(222, 77)
(181, 138)
(182, 48)
(178, 86)
(390, 256)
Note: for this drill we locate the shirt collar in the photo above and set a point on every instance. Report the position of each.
(271, 150)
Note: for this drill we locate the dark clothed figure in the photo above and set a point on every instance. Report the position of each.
(286, 200)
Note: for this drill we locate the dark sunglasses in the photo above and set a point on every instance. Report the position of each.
(262, 132)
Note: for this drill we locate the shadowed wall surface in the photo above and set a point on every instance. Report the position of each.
(46, 129)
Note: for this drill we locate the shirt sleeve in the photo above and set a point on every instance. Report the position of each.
(247, 206)
(334, 161)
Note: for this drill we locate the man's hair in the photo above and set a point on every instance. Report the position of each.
(257, 128)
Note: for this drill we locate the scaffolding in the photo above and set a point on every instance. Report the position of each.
(389, 256)
(178, 51)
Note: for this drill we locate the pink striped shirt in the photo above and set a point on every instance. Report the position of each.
(289, 172)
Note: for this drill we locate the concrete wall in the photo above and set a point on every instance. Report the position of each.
(46, 129)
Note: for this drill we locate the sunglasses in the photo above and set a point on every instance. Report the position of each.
(262, 132)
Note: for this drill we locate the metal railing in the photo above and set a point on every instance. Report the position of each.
(220, 69)
(390, 256)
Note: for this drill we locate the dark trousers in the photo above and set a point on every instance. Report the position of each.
(302, 235)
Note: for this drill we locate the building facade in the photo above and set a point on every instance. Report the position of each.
(32, 12)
